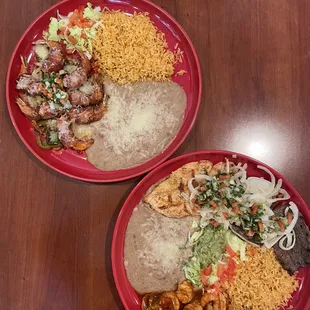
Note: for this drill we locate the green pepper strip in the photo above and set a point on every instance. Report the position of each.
(46, 146)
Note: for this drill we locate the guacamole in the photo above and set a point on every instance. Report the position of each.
(208, 250)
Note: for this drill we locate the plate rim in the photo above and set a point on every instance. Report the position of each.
(128, 176)
(160, 167)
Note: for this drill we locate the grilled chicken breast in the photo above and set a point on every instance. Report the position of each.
(166, 198)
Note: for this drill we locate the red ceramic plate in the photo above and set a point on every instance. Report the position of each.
(130, 299)
(69, 162)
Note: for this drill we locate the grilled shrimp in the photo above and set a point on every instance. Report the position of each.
(35, 111)
(75, 79)
(23, 67)
(46, 112)
(30, 112)
(55, 60)
(185, 292)
(169, 301)
(213, 302)
(79, 76)
(90, 93)
(28, 84)
(208, 298)
(193, 306)
(84, 61)
(150, 302)
(67, 137)
(223, 302)
(35, 88)
(87, 115)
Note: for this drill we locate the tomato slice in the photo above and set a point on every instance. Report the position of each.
(230, 251)
(221, 270)
(207, 271)
(203, 279)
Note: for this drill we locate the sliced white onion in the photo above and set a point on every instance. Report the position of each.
(258, 198)
(237, 175)
(277, 188)
(227, 165)
(259, 186)
(271, 242)
(273, 179)
(295, 211)
(190, 185)
(200, 177)
(268, 211)
(285, 196)
(290, 241)
(206, 212)
(184, 196)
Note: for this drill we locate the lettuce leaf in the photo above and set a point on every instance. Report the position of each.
(92, 13)
(52, 33)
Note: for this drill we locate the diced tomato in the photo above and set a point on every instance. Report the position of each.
(221, 270)
(72, 40)
(224, 177)
(236, 210)
(195, 207)
(289, 217)
(70, 51)
(61, 31)
(282, 227)
(273, 218)
(226, 215)
(87, 24)
(203, 279)
(203, 188)
(230, 251)
(232, 265)
(254, 208)
(79, 23)
(81, 9)
(201, 203)
(75, 15)
(235, 204)
(250, 233)
(223, 185)
(226, 272)
(207, 271)
(260, 226)
(213, 204)
(280, 195)
(216, 287)
(214, 223)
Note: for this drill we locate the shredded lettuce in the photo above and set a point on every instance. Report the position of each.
(83, 36)
(76, 32)
(92, 13)
(192, 272)
(213, 276)
(236, 244)
(52, 33)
